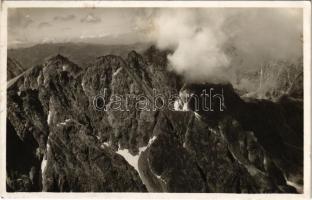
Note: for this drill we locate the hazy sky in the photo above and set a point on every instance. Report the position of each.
(37, 25)
(29, 26)
(206, 42)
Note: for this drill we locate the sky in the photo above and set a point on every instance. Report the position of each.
(28, 26)
(206, 43)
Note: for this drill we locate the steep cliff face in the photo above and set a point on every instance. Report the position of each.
(277, 127)
(50, 105)
(221, 152)
(66, 132)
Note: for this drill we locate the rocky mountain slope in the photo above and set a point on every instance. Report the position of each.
(58, 141)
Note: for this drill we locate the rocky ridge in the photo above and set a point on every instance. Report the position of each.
(58, 141)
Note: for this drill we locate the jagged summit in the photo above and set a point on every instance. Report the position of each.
(59, 56)
(133, 54)
(155, 56)
(60, 63)
(58, 60)
(135, 60)
(107, 60)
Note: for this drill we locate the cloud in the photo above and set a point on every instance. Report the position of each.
(48, 40)
(44, 24)
(90, 18)
(210, 44)
(64, 18)
(66, 28)
(20, 20)
(87, 36)
(18, 41)
(27, 21)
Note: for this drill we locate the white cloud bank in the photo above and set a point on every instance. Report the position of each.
(211, 43)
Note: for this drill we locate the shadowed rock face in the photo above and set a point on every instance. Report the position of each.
(56, 112)
(275, 127)
(58, 141)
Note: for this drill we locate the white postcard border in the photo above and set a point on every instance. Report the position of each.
(305, 5)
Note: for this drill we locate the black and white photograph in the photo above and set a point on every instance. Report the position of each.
(156, 99)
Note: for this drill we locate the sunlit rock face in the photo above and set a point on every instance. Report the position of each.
(58, 141)
(183, 101)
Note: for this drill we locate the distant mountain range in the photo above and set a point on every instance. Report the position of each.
(275, 80)
(80, 53)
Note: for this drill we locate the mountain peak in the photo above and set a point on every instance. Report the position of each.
(58, 59)
(60, 63)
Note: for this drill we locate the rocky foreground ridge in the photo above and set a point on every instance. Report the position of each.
(57, 141)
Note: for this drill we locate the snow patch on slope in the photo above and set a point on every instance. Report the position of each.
(160, 178)
(105, 144)
(49, 117)
(117, 71)
(133, 160)
(64, 123)
(44, 163)
(298, 187)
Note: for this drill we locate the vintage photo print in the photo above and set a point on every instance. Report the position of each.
(123, 99)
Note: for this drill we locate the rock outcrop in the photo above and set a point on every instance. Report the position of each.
(65, 132)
